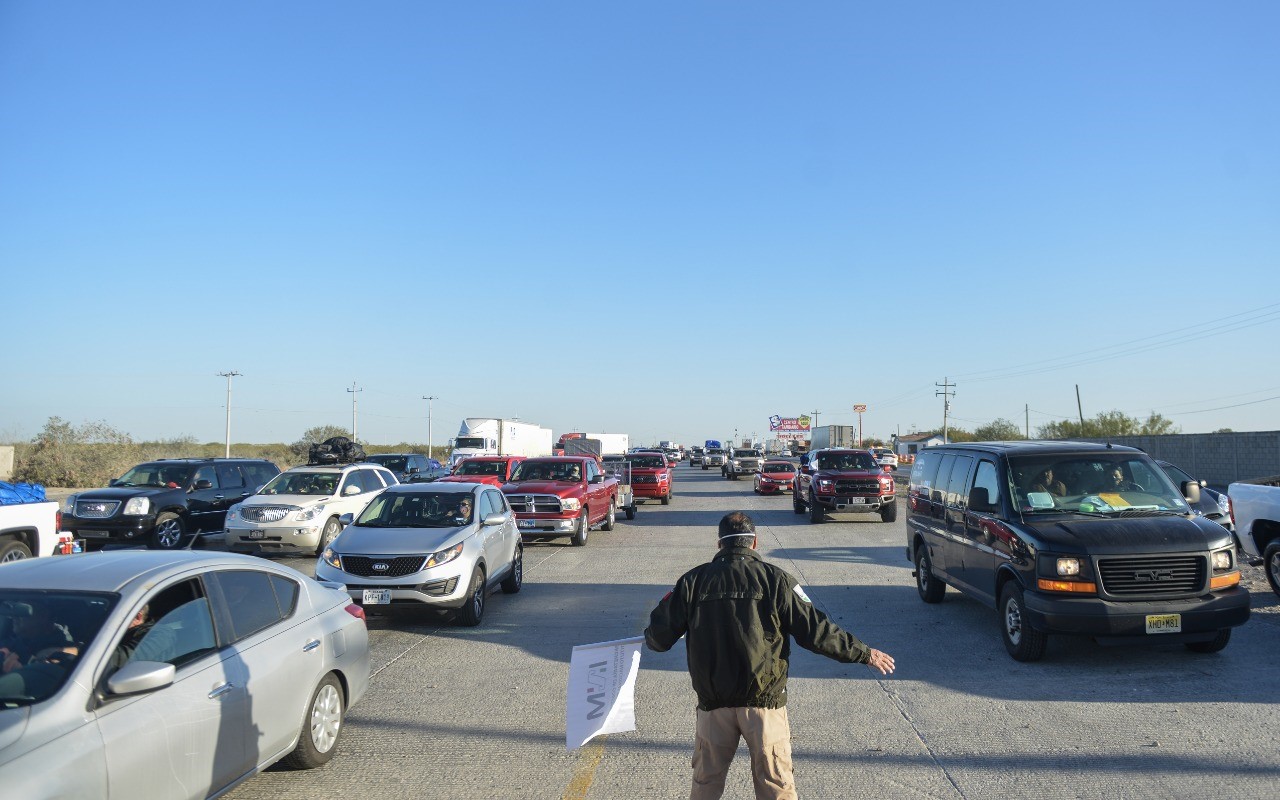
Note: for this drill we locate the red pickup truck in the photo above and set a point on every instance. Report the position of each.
(843, 481)
(651, 476)
(493, 470)
(562, 496)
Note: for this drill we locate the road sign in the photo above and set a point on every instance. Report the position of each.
(860, 409)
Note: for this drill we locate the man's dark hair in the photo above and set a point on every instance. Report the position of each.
(736, 523)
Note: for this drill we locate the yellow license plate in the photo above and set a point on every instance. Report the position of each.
(1164, 623)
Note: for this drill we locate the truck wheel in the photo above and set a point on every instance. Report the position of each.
(13, 550)
(610, 519)
(705, 467)
(816, 514)
(1271, 561)
(1213, 645)
(168, 533)
(930, 588)
(797, 505)
(631, 511)
(889, 513)
(1022, 641)
(666, 499)
(580, 535)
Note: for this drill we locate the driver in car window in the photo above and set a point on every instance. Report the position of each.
(1116, 481)
(32, 629)
(1044, 482)
(462, 514)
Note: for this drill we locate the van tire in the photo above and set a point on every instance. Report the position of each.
(1023, 642)
(1213, 645)
(1271, 563)
(930, 587)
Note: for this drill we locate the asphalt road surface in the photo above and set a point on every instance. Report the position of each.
(479, 712)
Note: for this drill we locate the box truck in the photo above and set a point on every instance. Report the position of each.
(834, 436)
(487, 436)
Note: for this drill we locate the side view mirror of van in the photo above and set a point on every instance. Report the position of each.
(980, 500)
(1191, 491)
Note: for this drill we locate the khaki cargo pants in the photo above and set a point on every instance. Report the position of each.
(768, 736)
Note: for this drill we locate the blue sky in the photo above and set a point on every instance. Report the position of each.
(669, 219)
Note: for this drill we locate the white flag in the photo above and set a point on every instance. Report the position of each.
(602, 690)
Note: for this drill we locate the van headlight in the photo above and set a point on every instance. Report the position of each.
(1068, 566)
(137, 506)
(1222, 559)
(310, 513)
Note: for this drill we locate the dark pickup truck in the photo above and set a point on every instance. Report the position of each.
(835, 481)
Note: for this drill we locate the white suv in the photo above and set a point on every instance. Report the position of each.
(885, 457)
(298, 510)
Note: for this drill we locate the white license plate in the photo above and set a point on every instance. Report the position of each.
(1164, 623)
(257, 534)
(527, 523)
(853, 501)
(377, 597)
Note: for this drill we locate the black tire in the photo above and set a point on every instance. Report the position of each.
(515, 579)
(666, 499)
(322, 724)
(631, 511)
(473, 610)
(611, 518)
(797, 505)
(169, 532)
(705, 467)
(816, 514)
(889, 513)
(1022, 641)
(579, 538)
(13, 550)
(930, 588)
(330, 532)
(1213, 645)
(1271, 565)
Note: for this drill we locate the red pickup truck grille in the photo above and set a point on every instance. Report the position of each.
(857, 487)
(534, 503)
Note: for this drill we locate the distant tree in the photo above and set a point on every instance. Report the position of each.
(314, 436)
(62, 454)
(954, 434)
(998, 430)
(1224, 430)
(1158, 425)
(1108, 424)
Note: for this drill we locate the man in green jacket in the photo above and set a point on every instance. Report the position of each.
(740, 614)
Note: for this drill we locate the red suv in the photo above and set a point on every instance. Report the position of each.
(843, 481)
(651, 476)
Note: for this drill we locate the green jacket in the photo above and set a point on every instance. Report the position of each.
(740, 614)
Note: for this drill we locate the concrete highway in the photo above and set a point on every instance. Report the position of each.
(479, 712)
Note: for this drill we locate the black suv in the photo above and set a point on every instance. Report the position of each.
(1072, 538)
(165, 503)
(410, 467)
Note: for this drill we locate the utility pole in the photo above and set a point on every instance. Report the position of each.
(354, 391)
(229, 376)
(430, 439)
(1026, 410)
(946, 393)
(1080, 409)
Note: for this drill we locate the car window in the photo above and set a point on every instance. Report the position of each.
(938, 489)
(286, 594)
(957, 486)
(987, 477)
(249, 602)
(386, 478)
(591, 470)
(229, 476)
(1179, 477)
(206, 473)
(45, 631)
(486, 505)
(258, 474)
(174, 626)
(354, 478)
(499, 502)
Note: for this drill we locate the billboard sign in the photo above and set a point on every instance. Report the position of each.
(797, 425)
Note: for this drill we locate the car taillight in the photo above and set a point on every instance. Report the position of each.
(57, 520)
(355, 610)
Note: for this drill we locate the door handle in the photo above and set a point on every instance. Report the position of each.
(311, 645)
(219, 691)
(218, 496)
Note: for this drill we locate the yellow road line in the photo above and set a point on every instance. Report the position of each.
(585, 772)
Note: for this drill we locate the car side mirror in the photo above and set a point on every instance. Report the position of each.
(493, 519)
(346, 519)
(597, 479)
(203, 485)
(980, 500)
(1191, 491)
(350, 490)
(141, 676)
(113, 482)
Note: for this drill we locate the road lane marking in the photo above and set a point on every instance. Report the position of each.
(588, 759)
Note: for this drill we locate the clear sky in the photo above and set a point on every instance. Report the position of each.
(671, 219)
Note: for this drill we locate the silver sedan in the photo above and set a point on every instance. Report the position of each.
(169, 674)
(442, 545)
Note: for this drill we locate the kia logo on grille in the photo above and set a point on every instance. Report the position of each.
(381, 567)
(1153, 575)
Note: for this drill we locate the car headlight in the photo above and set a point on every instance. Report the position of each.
(443, 557)
(1222, 559)
(330, 557)
(1068, 566)
(233, 511)
(825, 485)
(570, 504)
(1224, 503)
(310, 513)
(69, 506)
(137, 505)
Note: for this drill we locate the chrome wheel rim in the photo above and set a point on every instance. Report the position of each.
(326, 718)
(922, 573)
(477, 598)
(12, 555)
(1273, 566)
(517, 569)
(169, 533)
(1013, 621)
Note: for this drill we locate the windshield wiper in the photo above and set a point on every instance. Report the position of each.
(1097, 514)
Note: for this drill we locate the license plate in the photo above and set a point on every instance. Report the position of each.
(527, 523)
(257, 534)
(853, 501)
(1164, 623)
(92, 534)
(377, 597)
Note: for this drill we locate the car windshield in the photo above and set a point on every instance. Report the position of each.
(469, 442)
(418, 510)
(314, 483)
(715, 451)
(648, 462)
(393, 463)
(42, 634)
(170, 475)
(482, 468)
(847, 461)
(566, 471)
(744, 454)
(779, 466)
(1108, 484)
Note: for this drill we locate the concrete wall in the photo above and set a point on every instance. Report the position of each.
(6, 462)
(1218, 458)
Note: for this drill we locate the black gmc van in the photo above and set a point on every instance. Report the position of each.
(1072, 538)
